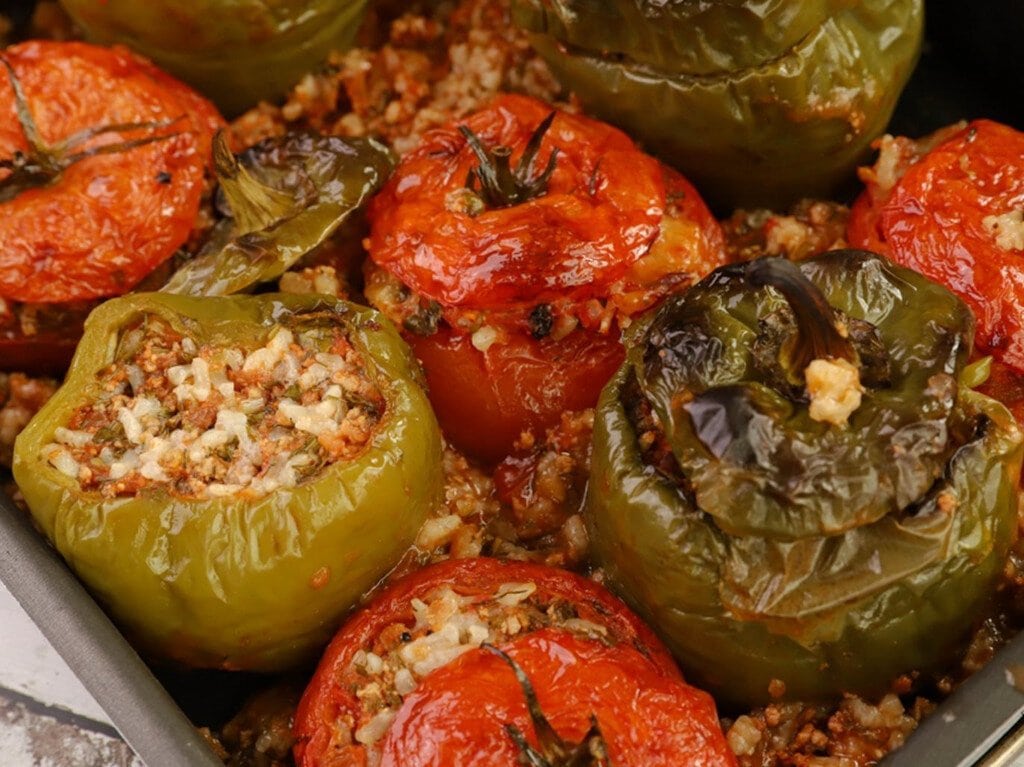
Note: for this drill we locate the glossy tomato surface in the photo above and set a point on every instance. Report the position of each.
(600, 213)
(457, 715)
(484, 400)
(108, 220)
(612, 233)
(329, 698)
(955, 216)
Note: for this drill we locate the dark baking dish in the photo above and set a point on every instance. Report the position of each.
(969, 69)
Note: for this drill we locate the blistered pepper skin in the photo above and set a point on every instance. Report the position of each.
(237, 52)
(844, 608)
(758, 104)
(292, 192)
(228, 582)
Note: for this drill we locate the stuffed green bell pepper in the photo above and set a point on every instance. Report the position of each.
(230, 475)
(237, 52)
(794, 481)
(759, 104)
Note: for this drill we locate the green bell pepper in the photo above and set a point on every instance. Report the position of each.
(759, 104)
(769, 538)
(237, 52)
(240, 581)
(285, 197)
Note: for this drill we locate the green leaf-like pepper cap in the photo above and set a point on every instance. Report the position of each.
(287, 196)
(231, 582)
(767, 545)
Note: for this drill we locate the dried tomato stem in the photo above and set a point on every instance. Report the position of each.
(501, 186)
(592, 751)
(44, 163)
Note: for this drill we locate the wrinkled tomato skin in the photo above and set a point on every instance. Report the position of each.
(485, 400)
(601, 212)
(456, 716)
(933, 221)
(109, 220)
(326, 699)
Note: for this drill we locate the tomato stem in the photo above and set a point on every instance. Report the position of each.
(42, 164)
(592, 751)
(500, 185)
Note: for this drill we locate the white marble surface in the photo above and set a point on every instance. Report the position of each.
(47, 719)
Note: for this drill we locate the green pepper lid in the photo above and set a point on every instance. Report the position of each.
(237, 52)
(286, 195)
(759, 104)
(830, 536)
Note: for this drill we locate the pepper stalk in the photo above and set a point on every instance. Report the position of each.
(821, 353)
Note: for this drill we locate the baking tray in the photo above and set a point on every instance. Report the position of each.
(157, 711)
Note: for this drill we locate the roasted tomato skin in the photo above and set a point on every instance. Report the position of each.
(600, 213)
(454, 716)
(327, 699)
(106, 221)
(484, 400)
(940, 219)
(612, 233)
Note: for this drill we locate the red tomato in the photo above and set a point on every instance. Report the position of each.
(330, 698)
(601, 213)
(457, 714)
(485, 400)
(955, 216)
(612, 234)
(108, 220)
(46, 353)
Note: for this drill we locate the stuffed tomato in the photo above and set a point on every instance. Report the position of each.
(97, 194)
(949, 207)
(495, 664)
(511, 246)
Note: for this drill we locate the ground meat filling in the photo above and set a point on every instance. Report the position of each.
(853, 734)
(201, 421)
(446, 625)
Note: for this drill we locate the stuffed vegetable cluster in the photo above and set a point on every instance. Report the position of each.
(332, 383)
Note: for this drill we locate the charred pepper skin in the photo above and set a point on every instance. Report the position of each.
(759, 104)
(286, 196)
(256, 584)
(747, 584)
(237, 53)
